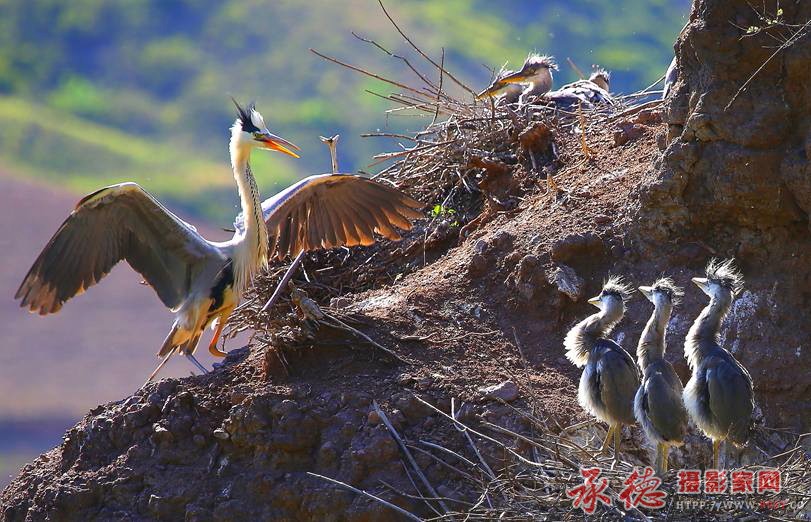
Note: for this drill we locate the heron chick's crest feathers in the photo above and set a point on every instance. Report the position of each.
(617, 286)
(541, 60)
(580, 339)
(724, 273)
(668, 287)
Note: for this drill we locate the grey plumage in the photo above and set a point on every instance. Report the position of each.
(719, 396)
(200, 280)
(610, 377)
(658, 405)
(120, 222)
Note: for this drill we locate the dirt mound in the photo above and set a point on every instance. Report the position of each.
(478, 312)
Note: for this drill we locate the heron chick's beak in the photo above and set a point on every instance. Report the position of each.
(703, 283)
(647, 291)
(516, 77)
(595, 301)
(270, 141)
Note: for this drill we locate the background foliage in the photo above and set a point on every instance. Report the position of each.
(100, 91)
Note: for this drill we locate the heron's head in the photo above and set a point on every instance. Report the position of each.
(613, 295)
(664, 292)
(723, 280)
(601, 78)
(536, 68)
(249, 130)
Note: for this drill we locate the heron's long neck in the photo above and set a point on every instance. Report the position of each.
(652, 342)
(705, 330)
(251, 252)
(580, 339)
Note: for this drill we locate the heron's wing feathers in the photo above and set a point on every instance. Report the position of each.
(665, 408)
(117, 222)
(331, 210)
(619, 381)
(731, 398)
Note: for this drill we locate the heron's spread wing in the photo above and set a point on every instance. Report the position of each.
(330, 210)
(117, 222)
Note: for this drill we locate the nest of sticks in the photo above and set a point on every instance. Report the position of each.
(455, 165)
(474, 157)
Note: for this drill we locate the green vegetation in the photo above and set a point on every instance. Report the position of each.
(97, 92)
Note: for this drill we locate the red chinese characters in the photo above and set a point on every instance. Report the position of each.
(741, 481)
(715, 481)
(642, 490)
(768, 480)
(587, 495)
(688, 481)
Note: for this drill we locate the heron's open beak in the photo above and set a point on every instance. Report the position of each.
(273, 142)
(702, 282)
(516, 77)
(595, 301)
(647, 291)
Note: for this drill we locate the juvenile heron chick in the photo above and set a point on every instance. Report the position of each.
(601, 78)
(610, 377)
(658, 405)
(719, 396)
(535, 74)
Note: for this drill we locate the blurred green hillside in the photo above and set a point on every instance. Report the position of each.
(100, 91)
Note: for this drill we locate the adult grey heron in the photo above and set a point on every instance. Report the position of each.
(200, 280)
(610, 377)
(535, 74)
(658, 405)
(719, 395)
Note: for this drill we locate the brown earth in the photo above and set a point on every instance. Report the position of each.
(237, 444)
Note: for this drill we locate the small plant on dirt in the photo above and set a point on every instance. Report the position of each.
(445, 213)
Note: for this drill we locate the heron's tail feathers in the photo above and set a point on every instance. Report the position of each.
(740, 432)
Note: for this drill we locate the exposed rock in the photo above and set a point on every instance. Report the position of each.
(506, 391)
(566, 280)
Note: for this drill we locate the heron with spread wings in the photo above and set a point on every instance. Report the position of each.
(201, 281)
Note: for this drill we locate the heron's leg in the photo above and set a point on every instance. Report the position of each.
(607, 441)
(716, 445)
(212, 346)
(617, 437)
(661, 460)
(194, 361)
(161, 365)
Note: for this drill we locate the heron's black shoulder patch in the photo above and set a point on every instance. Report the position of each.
(224, 280)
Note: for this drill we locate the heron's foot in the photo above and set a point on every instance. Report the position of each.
(194, 361)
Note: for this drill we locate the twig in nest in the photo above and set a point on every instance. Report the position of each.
(405, 513)
(414, 46)
(407, 453)
(283, 283)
